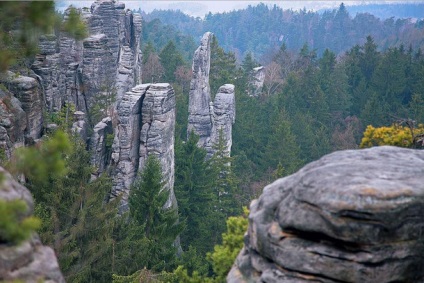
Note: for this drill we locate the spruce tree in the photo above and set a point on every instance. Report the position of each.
(160, 224)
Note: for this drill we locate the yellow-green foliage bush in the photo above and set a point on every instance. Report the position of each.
(394, 135)
(13, 228)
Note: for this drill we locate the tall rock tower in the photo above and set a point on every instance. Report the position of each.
(209, 120)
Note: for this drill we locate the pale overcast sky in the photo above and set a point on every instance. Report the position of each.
(201, 8)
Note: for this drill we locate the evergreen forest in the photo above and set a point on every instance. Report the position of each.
(329, 77)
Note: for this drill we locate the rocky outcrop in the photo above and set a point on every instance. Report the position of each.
(256, 81)
(12, 123)
(352, 216)
(21, 110)
(145, 125)
(199, 116)
(100, 145)
(107, 62)
(28, 261)
(209, 120)
(223, 117)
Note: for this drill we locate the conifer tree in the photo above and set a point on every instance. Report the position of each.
(160, 223)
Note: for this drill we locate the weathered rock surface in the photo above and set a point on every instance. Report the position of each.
(199, 116)
(352, 216)
(223, 117)
(146, 125)
(29, 261)
(12, 123)
(256, 81)
(26, 90)
(100, 149)
(158, 131)
(108, 60)
(206, 118)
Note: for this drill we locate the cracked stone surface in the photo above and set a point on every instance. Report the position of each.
(352, 216)
(146, 125)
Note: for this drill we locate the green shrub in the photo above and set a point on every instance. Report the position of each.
(13, 227)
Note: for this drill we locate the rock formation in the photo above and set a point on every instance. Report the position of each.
(28, 261)
(352, 216)
(209, 119)
(100, 147)
(199, 119)
(21, 111)
(256, 81)
(146, 125)
(106, 62)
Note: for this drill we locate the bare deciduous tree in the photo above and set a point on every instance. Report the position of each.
(153, 70)
(273, 80)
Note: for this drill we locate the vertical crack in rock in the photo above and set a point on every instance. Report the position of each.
(209, 119)
(146, 125)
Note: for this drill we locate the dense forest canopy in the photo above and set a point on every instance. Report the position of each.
(261, 29)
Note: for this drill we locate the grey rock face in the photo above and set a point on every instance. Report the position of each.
(100, 156)
(223, 117)
(158, 131)
(209, 119)
(12, 123)
(146, 125)
(256, 81)
(29, 261)
(26, 90)
(109, 60)
(199, 119)
(352, 216)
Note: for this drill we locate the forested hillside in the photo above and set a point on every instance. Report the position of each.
(261, 29)
(328, 79)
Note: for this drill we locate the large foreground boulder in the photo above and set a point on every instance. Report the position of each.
(352, 216)
(29, 261)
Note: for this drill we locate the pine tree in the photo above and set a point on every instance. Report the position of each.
(196, 197)
(170, 59)
(161, 224)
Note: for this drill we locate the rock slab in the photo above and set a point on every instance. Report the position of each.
(352, 216)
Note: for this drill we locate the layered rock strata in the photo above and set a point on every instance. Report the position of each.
(28, 261)
(256, 81)
(209, 120)
(107, 62)
(145, 126)
(352, 216)
(21, 111)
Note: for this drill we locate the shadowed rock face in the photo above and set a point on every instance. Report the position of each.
(146, 125)
(29, 261)
(352, 216)
(209, 119)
